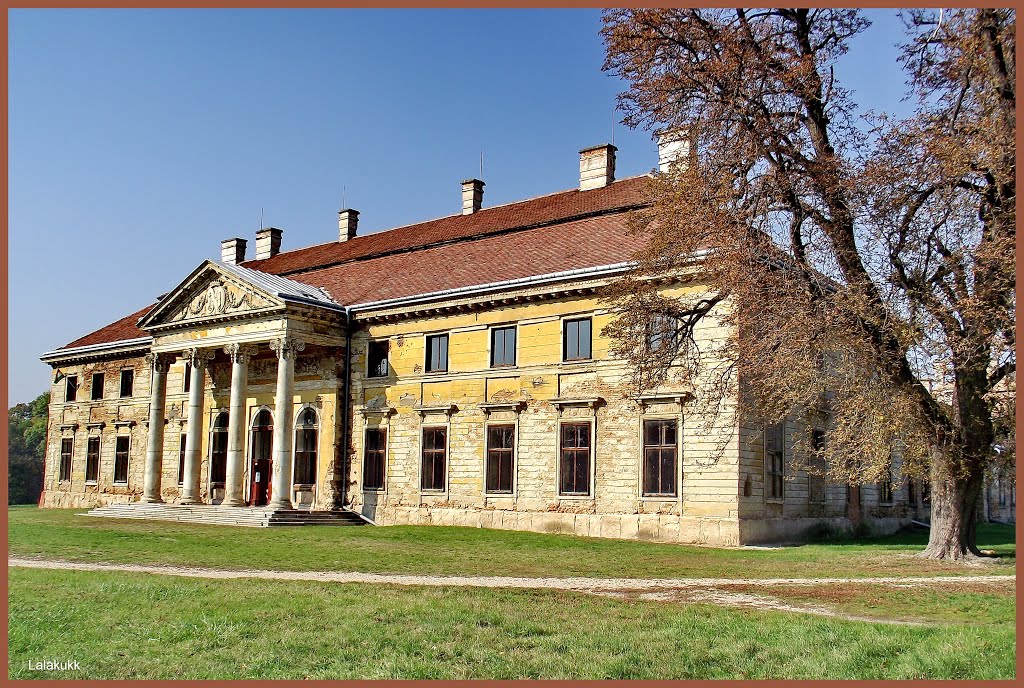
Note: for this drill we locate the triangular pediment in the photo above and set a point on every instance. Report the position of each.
(210, 293)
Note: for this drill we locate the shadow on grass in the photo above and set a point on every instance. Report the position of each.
(997, 537)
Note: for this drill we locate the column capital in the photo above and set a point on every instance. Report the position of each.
(198, 357)
(240, 353)
(159, 363)
(287, 347)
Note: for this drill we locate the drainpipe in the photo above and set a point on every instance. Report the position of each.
(345, 408)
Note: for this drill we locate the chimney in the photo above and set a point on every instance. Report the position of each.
(673, 147)
(268, 242)
(348, 222)
(472, 196)
(597, 166)
(232, 251)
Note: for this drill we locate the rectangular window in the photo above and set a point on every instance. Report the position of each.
(373, 458)
(219, 456)
(437, 353)
(662, 333)
(774, 457)
(127, 382)
(121, 459)
(377, 359)
(66, 449)
(816, 468)
(660, 457)
(181, 458)
(97, 386)
(576, 340)
(500, 456)
(305, 455)
(503, 346)
(92, 460)
(71, 388)
(187, 383)
(885, 486)
(575, 459)
(432, 469)
(911, 493)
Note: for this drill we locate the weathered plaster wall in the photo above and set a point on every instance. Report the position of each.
(704, 511)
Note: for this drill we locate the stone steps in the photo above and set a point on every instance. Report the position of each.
(252, 517)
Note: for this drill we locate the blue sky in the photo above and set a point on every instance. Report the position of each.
(141, 138)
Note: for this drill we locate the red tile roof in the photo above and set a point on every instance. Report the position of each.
(125, 328)
(558, 207)
(587, 243)
(563, 231)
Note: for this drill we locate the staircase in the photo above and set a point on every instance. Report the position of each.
(247, 516)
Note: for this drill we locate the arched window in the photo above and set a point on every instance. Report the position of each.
(305, 447)
(219, 448)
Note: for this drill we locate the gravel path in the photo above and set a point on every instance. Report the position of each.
(709, 590)
(581, 584)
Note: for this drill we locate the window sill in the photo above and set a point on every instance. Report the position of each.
(91, 483)
(499, 495)
(576, 361)
(119, 483)
(576, 497)
(373, 490)
(509, 366)
(774, 500)
(659, 497)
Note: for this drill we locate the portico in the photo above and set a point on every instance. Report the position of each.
(221, 322)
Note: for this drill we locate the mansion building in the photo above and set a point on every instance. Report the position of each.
(448, 372)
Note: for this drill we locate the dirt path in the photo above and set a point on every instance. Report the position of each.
(708, 590)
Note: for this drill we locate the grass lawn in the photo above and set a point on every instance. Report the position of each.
(62, 534)
(121, 625)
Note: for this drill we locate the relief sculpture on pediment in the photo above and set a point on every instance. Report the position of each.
(220, 298)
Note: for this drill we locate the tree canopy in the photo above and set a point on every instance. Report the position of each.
(26, 447)
(863, 264)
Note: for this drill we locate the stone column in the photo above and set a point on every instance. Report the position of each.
(155, 438)
(284, 424)
(240, 355)
(194, 435)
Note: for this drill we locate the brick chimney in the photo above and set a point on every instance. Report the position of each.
(268, 242)
(597, 166)
(348, 222)
(232, 251)
(472, 196)
(673, 147)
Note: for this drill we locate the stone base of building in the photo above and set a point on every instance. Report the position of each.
(721, 532)
(52, 499)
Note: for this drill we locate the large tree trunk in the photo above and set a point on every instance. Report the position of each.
(954, 518)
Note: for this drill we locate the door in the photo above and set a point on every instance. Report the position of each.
(259, 459)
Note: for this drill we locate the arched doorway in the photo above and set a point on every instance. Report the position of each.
(218, 456)
(260, 459)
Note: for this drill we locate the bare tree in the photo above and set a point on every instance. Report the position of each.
(861, 264)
